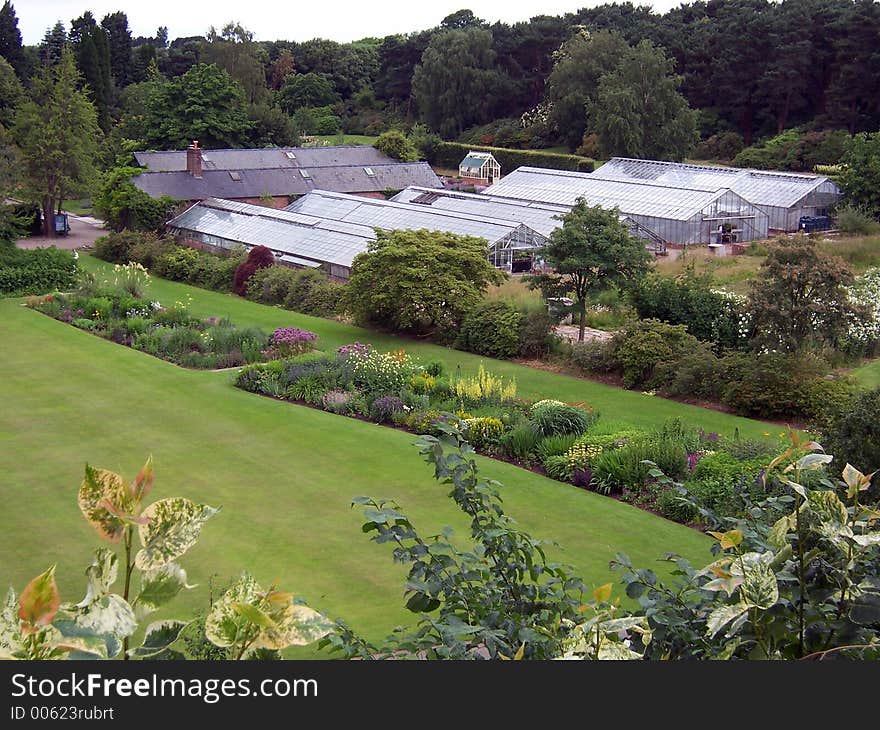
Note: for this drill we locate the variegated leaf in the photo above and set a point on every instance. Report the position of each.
(143, 482)
(101, 575)
(813, 461)
(295, 625)
(871, 538)
(99, 488)
(10, 627)
(759, 588)
(723, 615)
(158, 587)
(223, 623)
(39, 601)
(110, 618)
(828, 516)
(855, 481)
(616, 651)
(174, 527)
(159, 638)
(780, 530)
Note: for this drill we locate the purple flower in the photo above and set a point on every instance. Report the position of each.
(582, 478)
(355, 348)
(693, 459)
(292, 336)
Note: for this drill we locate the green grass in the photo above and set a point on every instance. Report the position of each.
(868, 375)
(78, 207)
(337, 139)
(628, 407)
(283, 474)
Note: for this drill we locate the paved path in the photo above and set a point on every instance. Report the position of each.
(83, 232)
(571, 332)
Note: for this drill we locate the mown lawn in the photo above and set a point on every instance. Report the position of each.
(868, 375)
(283, 474)
(629, 407)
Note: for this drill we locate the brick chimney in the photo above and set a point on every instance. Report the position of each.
(194, 159)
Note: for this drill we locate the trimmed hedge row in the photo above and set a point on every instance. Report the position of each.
(449, 154)
(35, 271)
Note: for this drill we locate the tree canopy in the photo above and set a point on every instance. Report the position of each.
(57, 131)
(592, 251)
(860, 174)
(419, 281)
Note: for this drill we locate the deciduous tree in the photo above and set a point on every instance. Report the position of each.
(592, 251)
(419, 281)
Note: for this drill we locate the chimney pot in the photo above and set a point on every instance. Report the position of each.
(194, 159)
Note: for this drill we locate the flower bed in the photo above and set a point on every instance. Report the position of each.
(118, 312)
(563, 441)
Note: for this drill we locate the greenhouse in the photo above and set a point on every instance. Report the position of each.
(669, 214)
(784, 196)
(541, 217)
(511, 242)
(296, 240)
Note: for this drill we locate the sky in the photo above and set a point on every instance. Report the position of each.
(339, 20)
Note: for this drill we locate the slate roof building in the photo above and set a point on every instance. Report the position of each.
(280, 175)
(509, 239)
(669, 214)
(784, 196)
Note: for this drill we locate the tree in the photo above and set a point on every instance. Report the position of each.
(281, 68)
(419, 281)
(270, 126)
(574, 82)
(10, 40)
(233, 49)
(92, 50)
(54, 41)
(119, 38)
(123, 206)
(395, 144)
(203, 104)
(306, 91)
(11, 94)
(638, 111)
(57, 132)
(853, 432)
(591, 252)
(456, 84)
(860, 174)
(799, 298)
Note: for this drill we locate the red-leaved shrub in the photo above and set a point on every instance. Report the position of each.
(258, 258)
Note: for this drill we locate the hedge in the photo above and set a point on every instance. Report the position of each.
(449, 154)
(35, 271)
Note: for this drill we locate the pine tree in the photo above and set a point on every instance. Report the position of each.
(121, 59)
(92, 51)
(53, 44)
(10, 39)
(57, 132)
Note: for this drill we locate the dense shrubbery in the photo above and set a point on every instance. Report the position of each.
(795, 150)
(303, 290)
(35, 271)
(491, 329)
(259, 257)
(688, 299)
(853, 432)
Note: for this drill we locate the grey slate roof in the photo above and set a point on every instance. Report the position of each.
(304, 239)
(255, 183)
(257, 159)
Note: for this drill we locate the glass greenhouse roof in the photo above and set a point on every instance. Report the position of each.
(296, 235)
(632, 197)
(540, 217)
(391, 215)
(760, 187)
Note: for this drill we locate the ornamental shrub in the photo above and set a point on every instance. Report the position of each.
(520, 443)
(536, 337)
(340, 402)
(177, 264)
(642, 346)
(290, 341)
(491, 329)
(853, 432)
(259, 257)
(384, 408)
(483, 432)
(552, 418)
(35, 271)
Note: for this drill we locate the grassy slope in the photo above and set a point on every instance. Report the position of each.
(283, 474)
(868, 375)
(612, 403)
